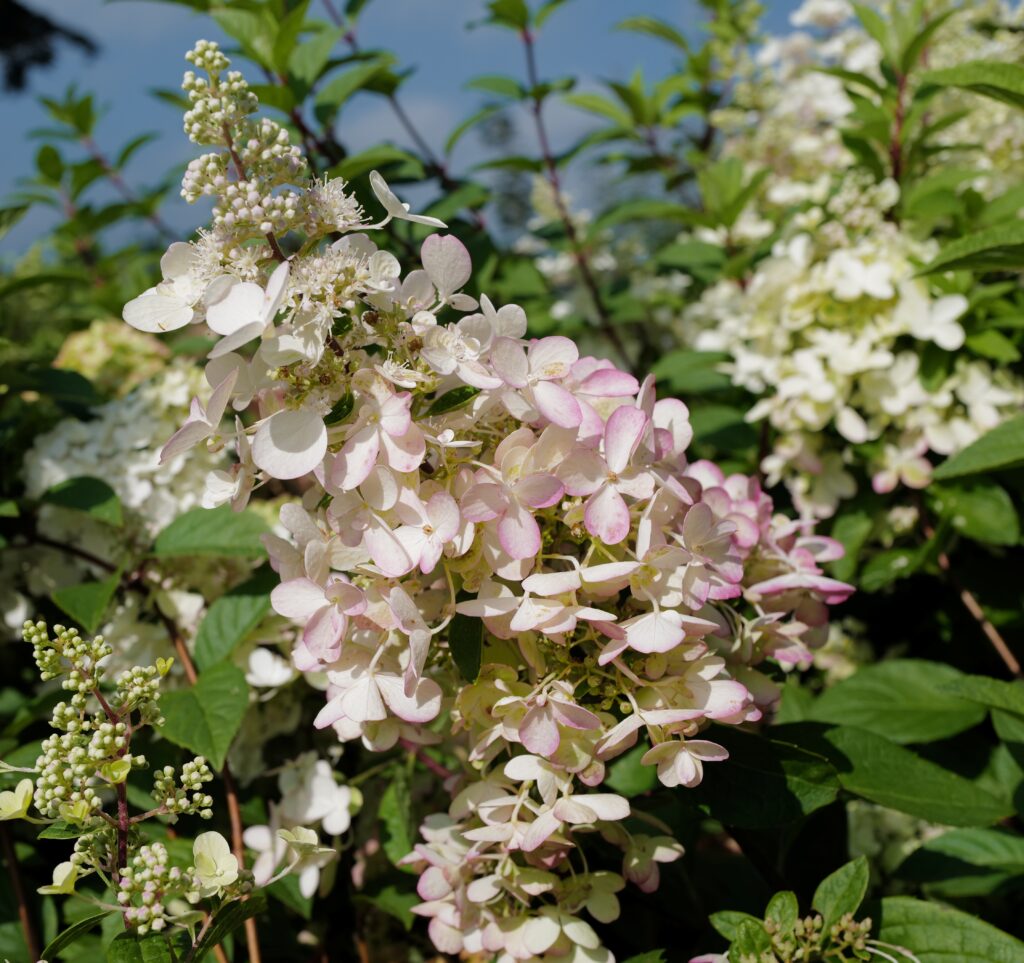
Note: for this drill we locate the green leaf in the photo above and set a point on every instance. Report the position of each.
(644, 209)
(654, 27)
(71, 934)
(254, 30)
(341, 410)
(395, 813)
(940, 934)
(466, 643)
(129, 149)
(842, 892)
(999, 248)
(870, 766)
(906, 700)
(890, 566)
(62, 830)
(87, 602)
(212, 531)
(602, 106)
(967, 862)
(783, 909)
(228, 919)
(49, 163)
(982, 511)
(852, 530)
(287, 892)
(877, 28)
(651, 956)
(727, 922)
(9, 216)
(453, 399)
(394, 901)
(379, 157)
(481, 115)
(628, 777)
(308, 59)
(513, 14)
(341, 87)
(751, 940)
(993, 693)
(498, 84)
(232, 617)
(692, 372)
(767, 782)
(993, 345)
(130, 948)
(1002, 447)
(89, 495)
(286, 36)
(205, 717)
(1003, 81)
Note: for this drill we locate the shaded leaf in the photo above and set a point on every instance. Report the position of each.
(205, 717)
(89, 495)
(906, 700)
(212, 531)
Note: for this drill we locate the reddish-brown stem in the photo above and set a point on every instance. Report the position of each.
(230, 787)
(978, 614)
(435, 164)
(73, 550)
(123, 825)
(973, 606)
(24, 915)
(578, 250)
(442, 772)
(115, 178)
(275, 247)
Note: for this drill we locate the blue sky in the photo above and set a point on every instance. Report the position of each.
(142, 44)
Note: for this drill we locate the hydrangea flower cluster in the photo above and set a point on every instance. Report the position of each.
(492, 527)
(834, 329)
(309, 795)
(830, 331)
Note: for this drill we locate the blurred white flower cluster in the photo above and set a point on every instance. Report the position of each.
(843, 342)
(123, 442)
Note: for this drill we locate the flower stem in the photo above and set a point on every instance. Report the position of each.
(583, 265)
(230, 786)
(24, 915)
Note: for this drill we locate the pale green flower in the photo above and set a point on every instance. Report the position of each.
(64, 878)
(216, 866)
(14, 803)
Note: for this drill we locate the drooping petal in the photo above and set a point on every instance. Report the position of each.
(607, 515)
(509, 362)
(519, 533)
(156, 313)
(539, 490)
(539, 732)
(448, 263)
(242, 305)
(557, 405)
(290, 444)
(421, 704)
(298, 598)
(622, 434)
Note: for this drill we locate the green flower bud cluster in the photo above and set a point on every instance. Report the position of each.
(807, 941)
(184, 796)
(259, 151)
